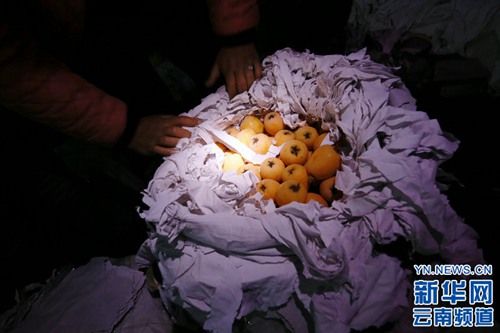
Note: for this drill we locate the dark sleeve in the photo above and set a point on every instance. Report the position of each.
(37, 86)
(231, 17)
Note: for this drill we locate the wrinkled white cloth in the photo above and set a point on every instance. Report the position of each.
(470, 28)
(95, 297)
(225, 253)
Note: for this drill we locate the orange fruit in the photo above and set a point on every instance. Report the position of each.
(232, 131)
(272, 167)
(323, 163)
(307, 134)
(268, 188)
(317, 197)
(260, 143)
(232, 161)
(295, 171)
(252, 122)
(294, 152)
(245, 135)
(291, 191)
(283, 135)
(221, 146)
(273, 122)
(319, 140)
(250, 167)
(328, 191)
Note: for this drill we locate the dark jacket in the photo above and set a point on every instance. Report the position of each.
(37, 83)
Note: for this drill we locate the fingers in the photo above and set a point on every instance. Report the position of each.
(176, 132)
(240, 66)
(160, 134)
(242, 79)
(253, 72)
(167, 141)
(257, 69)
(164, 151)
(187, 121)
(231, 85)
(213, 77)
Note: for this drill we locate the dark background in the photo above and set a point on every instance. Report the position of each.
(462, 105)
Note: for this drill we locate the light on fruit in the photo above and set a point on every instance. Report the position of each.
(260, 143)
(232, 131)
(232, 161)
(252, 122)
(250, 167)
(245, 135)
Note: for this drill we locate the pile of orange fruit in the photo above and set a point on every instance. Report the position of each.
(305, 168)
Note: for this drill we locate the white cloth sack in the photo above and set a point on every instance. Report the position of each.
(225, 254)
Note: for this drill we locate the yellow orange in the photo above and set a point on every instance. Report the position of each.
(294, 152)
(232, 161)
(232, 131)
(221, 146)
(317, 197)
(295, 171)
(268, 188)
(252, 122)
(245, 135)
(283, 135)
(260, 143)
(319, 140)
(291, 191)
(328, 191)
(273, 122)
(250, 167)
(323, 163)
(307, 134)
(272, 167)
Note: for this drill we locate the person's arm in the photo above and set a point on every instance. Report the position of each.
(231, 17)
(235, 22)
(37, 86)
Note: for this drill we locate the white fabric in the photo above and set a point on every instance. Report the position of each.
(470, 28)
(95, 297)
(224, 253)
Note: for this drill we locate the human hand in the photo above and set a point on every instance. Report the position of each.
(240, 66)
(159, 134)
